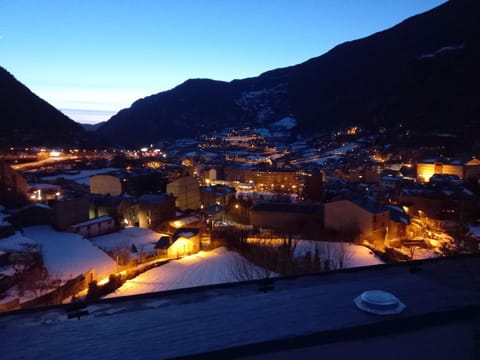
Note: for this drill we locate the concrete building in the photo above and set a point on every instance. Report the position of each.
(186, 191)
(464, 169)
(287, 217)
(67, 212)
(94, 227)
(217, 194)
(266, 180)
(12, 184)
(363, 218)
(155, 210)
(135, 182)
(112, 184)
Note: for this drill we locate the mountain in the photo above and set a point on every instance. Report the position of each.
(92, 127)
(422, 73)
(26, 119)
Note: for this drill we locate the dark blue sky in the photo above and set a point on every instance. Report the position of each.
(101, 55)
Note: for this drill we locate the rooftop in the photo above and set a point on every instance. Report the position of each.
(311, 314)
(93, 221)
(369, 205)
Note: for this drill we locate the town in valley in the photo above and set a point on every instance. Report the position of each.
(364, 193)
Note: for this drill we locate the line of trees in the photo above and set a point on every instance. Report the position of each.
(280, 255)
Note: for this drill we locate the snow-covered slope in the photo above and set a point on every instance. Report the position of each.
(205, 268)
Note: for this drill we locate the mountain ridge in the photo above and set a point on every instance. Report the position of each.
(378, 80)
(27, 119)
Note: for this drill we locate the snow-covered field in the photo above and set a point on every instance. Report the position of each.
(67, 255)
(143, 239)
(205, 268)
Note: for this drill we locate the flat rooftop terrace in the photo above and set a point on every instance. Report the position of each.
(302, 317)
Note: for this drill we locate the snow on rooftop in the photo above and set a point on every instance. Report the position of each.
(94, 221)
(343, 149)
(205, 268)
(144, 240)
(43, 206)
(83, 177)
(68, 255)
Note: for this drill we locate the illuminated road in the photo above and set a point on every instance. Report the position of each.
(47, 161)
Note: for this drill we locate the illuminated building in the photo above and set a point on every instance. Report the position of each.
(268, 180)
(463, 169)
(155, 209)
(360, 217)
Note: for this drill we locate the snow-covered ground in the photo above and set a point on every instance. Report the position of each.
(83, 177)
(143, 239)
(16, 243)
(341, 255)
(223, 266)
(205, 268)
(67, 255)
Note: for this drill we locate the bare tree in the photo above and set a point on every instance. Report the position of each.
(339, 255)
(411, 251)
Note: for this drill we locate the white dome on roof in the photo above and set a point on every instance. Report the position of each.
(379, 302)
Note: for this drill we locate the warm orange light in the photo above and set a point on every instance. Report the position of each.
(182, 246)
(177, 223)
(103, 281)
